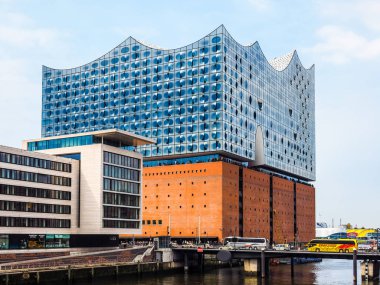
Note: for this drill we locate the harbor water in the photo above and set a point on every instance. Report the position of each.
(323, 273)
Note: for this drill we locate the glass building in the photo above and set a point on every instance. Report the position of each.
(214, 97)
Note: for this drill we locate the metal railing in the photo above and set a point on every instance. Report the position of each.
(86, 260)
(65, 265)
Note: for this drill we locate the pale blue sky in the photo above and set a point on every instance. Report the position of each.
(342, 38)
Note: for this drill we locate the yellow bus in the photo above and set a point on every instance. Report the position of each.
(332, 245)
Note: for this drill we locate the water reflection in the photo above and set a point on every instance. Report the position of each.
(335, 272)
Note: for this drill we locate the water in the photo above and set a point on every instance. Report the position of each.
(335, 272)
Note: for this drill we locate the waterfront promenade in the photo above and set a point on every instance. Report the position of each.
(140, 260)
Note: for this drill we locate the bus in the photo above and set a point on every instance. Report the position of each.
(246, 242)
(332, 245)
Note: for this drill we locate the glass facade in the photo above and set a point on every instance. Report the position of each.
(6, 189)
(208, 97)
(34, 162)
(121, 191)
(60, 143)
(31, 241)
(34, 177)
(34, 207)
(34, 222)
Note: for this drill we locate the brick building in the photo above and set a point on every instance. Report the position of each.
(218, 199)
(211, 100)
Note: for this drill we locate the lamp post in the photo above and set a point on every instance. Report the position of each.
(199, 229)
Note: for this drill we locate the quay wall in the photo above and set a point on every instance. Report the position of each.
(31, 277)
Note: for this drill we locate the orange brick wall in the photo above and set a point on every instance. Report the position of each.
(305, 196)
(256, 204)
(283, 210)
(209, 193)
(187, 194)
(230, 200)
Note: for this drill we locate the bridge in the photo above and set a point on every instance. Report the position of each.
(257, 261)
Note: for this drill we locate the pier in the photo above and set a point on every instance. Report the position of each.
(257, 262)
(136, 261)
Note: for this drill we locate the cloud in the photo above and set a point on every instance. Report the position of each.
(260, 5)
(18, 30)
(23, 45)
(364, 12)
(340, 45)
(25, 37)
(20, 107)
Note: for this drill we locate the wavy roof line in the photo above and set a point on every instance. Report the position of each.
(281, 62)
(282, 67)
(278, 63)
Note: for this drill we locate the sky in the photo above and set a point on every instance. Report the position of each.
(342, 39)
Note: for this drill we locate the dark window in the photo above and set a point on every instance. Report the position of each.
(34, 177)
(34, 162)
(34, 192)
(34, 207)
(34, 222)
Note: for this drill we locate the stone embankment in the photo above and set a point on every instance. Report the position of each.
(88, 265)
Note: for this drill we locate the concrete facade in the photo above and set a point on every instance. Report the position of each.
(91, 186)
(36, 205)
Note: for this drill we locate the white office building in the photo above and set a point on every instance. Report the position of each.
(72, 190)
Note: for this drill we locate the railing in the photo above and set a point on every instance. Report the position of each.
(66, 265)
(86, 260)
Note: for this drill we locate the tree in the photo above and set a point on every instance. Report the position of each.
(348, 226)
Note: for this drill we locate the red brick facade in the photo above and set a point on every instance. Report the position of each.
(230, 209)
(188, 200)
(305, 212)
(283, 210)
(256, 209)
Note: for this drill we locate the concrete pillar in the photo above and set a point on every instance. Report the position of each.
(355, 265)
(200, 262)
(92, 273)
(262, 263)
(69, 273)
(370, 270)
(185, 263)
(292, 266)
(251, 266)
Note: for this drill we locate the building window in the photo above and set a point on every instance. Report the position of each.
(34, 207)
(34, 222)
(121, 160)
(34, 162)
(121, 186)
(121, 224)
(121, 172)
(6, 189)
(34, 177)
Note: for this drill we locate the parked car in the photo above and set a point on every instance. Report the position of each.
(226, 247)
(188, 245)
(282, 246)
(204, 245)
